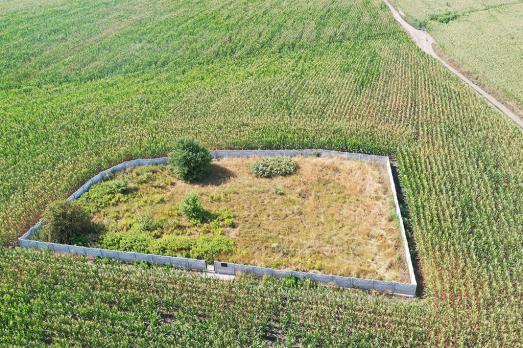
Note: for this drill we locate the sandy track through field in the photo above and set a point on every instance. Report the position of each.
(424, 41)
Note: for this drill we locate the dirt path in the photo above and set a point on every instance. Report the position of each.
(424, 41)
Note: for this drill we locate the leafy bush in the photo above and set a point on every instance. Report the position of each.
(269, 167)
(225, 218)
(145, 178)
(295, 282)
(114, 187)
(147, 223)
(445, 17)
(65, 222)
(204, 247)
(172, 245)
(105, 194)
(191, 207)
(137, 241)
(420, 24)
(208, 248)
(190, 160)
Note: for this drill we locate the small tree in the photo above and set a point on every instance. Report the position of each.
(190, 160)
(65, 222)
(191, 207)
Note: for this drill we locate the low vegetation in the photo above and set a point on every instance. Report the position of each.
(445, 17)
(203, 247)
(140, 231)
(269, 167)
(107, 194)
(333, 215)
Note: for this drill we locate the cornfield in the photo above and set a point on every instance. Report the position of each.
(85, 86)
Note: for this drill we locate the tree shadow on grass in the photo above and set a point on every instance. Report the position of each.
(219, 175)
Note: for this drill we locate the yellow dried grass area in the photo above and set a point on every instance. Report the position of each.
(334, 216)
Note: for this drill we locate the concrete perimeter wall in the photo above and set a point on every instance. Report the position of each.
(126, 256)
(388, 287)
(404, 289)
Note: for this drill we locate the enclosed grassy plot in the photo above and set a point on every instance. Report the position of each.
(334, 216)
(89, 85)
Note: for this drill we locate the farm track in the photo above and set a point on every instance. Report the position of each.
(426, 42)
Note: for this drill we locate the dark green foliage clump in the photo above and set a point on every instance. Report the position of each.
(147, 234)
(172, 245)
(209, 247)
(136, 241)
(65, 222)
(295, 282)
(203, 247)
(106, 194)
(147, 223)
(190, 160)
(191, 207)
(420, 24)
(274, 166)
(445, 17)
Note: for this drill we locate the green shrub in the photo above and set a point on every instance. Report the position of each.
(208, 248)
(295, 282)
(191, 207)
(225, 218)
(145, 178)
(420, 24)
(190, 160)
(269, 167)
(105, 194)
(130, 241)
(114, 187)
(445, 17)
(172, 245)
(204, 247)
(65, 222)
(147, 223)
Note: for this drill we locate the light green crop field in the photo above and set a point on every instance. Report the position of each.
(483, 38)
(85, 85)
(423, 9)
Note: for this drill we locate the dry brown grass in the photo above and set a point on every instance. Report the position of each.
(333, 216)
